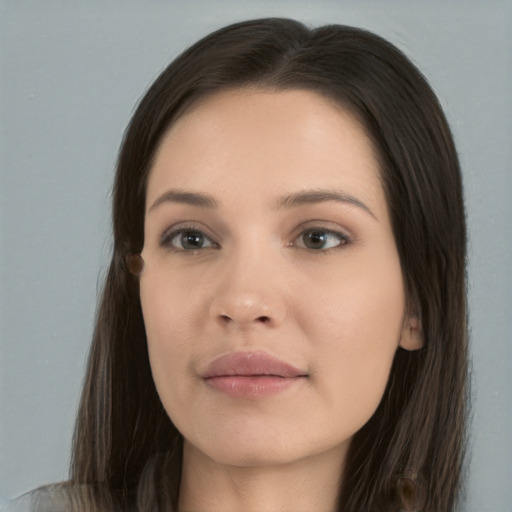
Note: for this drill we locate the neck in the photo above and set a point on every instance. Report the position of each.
(312, 483)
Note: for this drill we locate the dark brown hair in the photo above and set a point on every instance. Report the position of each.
(409, 456)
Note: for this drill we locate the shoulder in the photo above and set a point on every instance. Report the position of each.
(48, 498)
(63, 497)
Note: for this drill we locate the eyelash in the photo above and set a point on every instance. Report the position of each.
(169, 237)
(343, 239)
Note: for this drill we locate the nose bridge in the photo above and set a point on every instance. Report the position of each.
(249, 290)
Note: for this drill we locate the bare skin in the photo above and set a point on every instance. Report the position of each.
(267, 233)
(302, 486)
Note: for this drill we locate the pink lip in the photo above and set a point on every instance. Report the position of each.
(251, 374)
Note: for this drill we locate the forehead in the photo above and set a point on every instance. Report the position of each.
(272, 141)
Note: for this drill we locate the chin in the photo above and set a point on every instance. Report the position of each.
(257, 447)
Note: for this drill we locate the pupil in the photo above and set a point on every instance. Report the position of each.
(315, 239)
(192, 240)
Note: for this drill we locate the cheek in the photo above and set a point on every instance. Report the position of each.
(172, 312)
(171, 327)
(357, 327)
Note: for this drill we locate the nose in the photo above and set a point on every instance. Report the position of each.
(246, 308)
(248, 295)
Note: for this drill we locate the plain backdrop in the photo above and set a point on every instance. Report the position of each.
(70, 75)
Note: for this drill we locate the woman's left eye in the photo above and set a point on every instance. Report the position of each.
(320, 239)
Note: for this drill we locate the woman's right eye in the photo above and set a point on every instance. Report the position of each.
(187, 240)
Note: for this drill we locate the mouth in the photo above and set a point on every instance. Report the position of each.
(251, 375)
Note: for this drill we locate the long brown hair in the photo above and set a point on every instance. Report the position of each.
(409, 456)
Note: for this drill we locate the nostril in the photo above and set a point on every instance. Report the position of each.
(262, 319)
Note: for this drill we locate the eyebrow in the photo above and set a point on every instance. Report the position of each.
(286, 202)
(184, 197)
(320, 196)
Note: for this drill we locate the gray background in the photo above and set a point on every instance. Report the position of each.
(70, 75)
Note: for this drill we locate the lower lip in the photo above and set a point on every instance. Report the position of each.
(251, 386)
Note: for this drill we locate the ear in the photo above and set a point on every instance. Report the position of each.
(412, 335)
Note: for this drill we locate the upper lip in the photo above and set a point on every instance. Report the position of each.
(248, 364)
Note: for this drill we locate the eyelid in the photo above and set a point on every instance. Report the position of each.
(344, 236)
(172, 231)
(327, 227)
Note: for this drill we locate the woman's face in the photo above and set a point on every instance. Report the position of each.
(272, 292)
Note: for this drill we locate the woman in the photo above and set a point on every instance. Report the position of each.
(283, 325)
